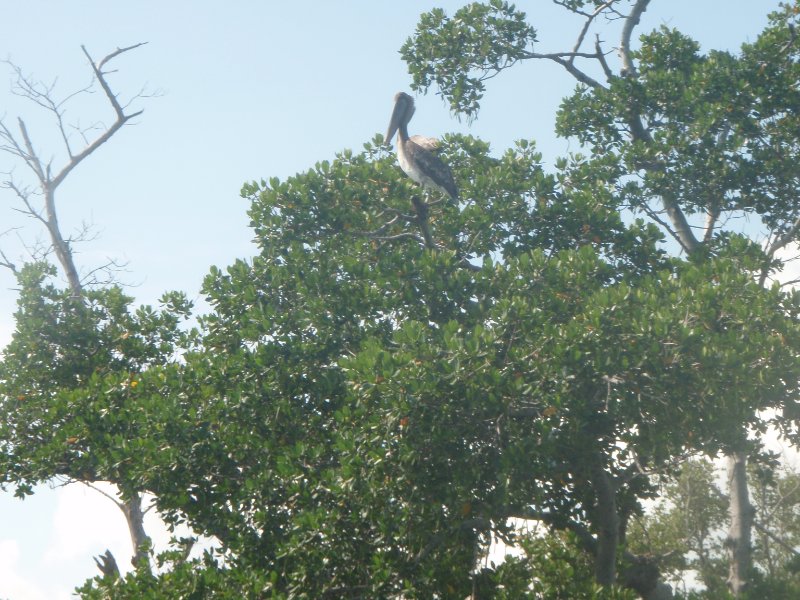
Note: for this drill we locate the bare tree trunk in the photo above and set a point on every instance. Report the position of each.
(740, 558)
(60, 244)
(132, 509)
(608, 528)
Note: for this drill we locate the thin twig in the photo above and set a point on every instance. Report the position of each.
(588, 23)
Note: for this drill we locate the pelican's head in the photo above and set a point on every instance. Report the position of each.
(403, 111)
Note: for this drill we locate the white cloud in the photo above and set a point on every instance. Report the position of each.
(52, 537)
(13, 585)
(86, 523)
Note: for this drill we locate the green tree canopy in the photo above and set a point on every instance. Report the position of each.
(365, 411)
(394, 376)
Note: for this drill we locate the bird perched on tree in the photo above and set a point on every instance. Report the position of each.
(416, 154)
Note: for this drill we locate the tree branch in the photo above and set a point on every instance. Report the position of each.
(602, 58)
(23, 196)
(782, 543)
(588, 23)
(99, 491)
(711, 220)
(42, 95)
(585, 537)
(6, 263)
(122, 118)
(107, 565)
(475, 523)
(558, 57)
(13, 147)
(627, 31)
(784, 239)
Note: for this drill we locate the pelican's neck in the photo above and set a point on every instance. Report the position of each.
(402, 132)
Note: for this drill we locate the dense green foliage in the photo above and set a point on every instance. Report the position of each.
(70, 381)
(360, 413)
(365, 413)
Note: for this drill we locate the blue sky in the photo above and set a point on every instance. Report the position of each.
(245, 90)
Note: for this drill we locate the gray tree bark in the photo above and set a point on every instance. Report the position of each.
(608, 528)
(134, 515)
(741, 512)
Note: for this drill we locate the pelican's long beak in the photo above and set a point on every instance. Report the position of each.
(401, 115)
(394, 123)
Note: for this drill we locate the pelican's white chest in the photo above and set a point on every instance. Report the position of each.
(409, 167)
(412, 168)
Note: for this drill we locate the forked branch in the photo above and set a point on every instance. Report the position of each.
(20, 145)
(121, 119)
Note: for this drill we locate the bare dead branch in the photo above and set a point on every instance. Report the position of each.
(83, 131)
(12, 145)
(99, 491)
(21, 146)
(42, 95)
(580, 12)
(655, 216)
(589, 19)
(568, 55)
(32, 158)
(122, 118)
(790, 284)
(782, 543)
(6, 263)
(24, 196)
(565, 59)
(110, 268)
(142, 93)
(627, 31)
(116, 53)
(784, 239)
(107, 565)
(101, 75)
(601, 58)
(712, 215)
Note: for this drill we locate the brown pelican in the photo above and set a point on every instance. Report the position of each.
(416, 154)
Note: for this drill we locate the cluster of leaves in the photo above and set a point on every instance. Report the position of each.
(715, 133)
(71, 377)
(717, 136)
(550, 566)
(460, 52)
